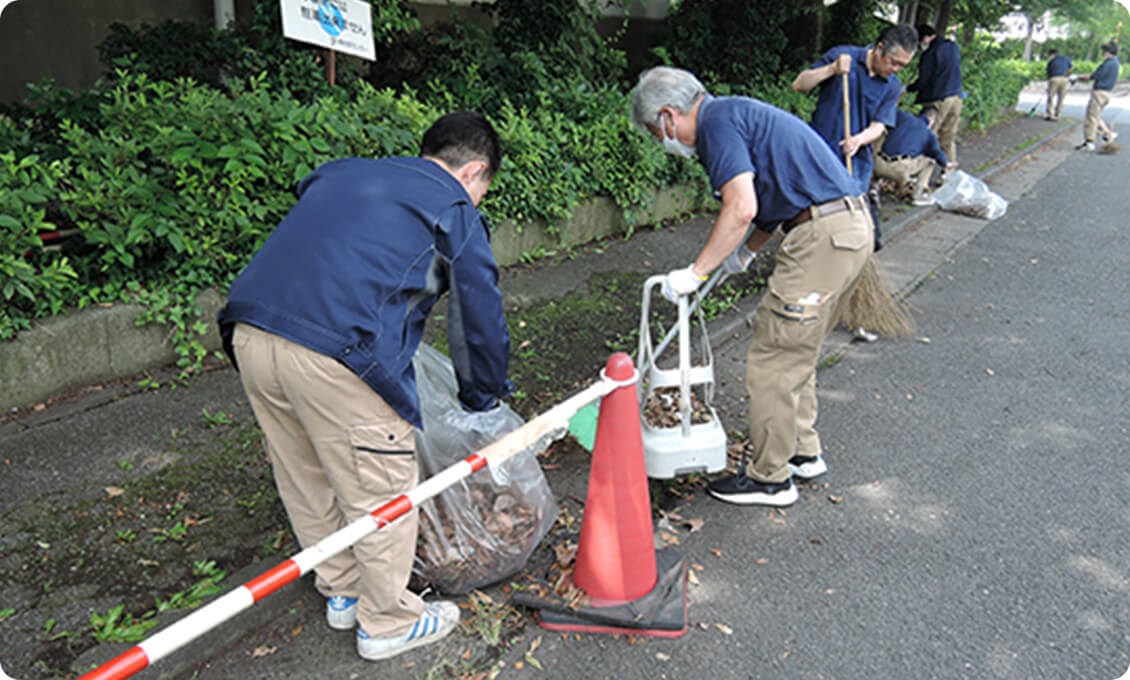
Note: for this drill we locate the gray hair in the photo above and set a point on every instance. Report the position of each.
(664, 86)
(899, 36)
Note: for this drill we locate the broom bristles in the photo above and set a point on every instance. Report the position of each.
(1109, 147)
(868, 304)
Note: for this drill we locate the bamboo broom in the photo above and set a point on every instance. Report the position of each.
(867, 303)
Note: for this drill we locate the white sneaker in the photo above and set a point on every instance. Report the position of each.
(1086, 146)
(435, 623)
(1112, 136)
(864, 335)
(341, 612)
(805, 469)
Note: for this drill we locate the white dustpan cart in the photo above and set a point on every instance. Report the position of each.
(687, 447)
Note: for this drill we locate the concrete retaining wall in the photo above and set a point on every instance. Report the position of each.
(100, 344)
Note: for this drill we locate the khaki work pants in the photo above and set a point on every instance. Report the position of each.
(816, 262)
(1057, 90)
(946, 123)
(1093, 120)
(338, 452)
(906, 169)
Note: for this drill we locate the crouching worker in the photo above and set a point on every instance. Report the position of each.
(909, 153)
(771, 168)
(322, 326)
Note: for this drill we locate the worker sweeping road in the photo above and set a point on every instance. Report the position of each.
(770, 168)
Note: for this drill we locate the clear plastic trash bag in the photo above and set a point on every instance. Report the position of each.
(965, 194)
(485, 527)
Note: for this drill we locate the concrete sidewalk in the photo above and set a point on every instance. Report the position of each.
(918, 240)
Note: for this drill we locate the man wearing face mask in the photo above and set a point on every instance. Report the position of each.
(323, 324)
(873, 95)
(770, 168)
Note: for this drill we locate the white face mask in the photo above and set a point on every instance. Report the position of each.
(672, 144)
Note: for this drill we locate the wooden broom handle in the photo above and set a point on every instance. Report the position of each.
(847, 120)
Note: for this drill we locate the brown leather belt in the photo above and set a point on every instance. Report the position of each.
(823, 210)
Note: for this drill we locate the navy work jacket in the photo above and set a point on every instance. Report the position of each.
(354, 269)
(939, 72)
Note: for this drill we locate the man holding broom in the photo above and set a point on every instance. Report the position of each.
(769, 167)
(858, 100)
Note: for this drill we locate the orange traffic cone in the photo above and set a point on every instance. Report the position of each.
(628, 586)
(616, 556)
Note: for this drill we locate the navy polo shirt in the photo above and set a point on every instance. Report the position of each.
(1059, 66)
(872, 98)
(911, 136)
(1106, 74)
(792, 167)
(939, 72)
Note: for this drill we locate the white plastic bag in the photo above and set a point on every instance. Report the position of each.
(483, 528)
(964, 194)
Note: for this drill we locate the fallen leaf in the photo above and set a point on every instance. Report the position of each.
(264, 650)
(39, 407)
(697, 567)
(694, 524)
(148, 563)
(785, 655)
(466, 655)
(989, 371)
(924, 340)
(662, 657)
(716, 551)
(519, 665)
(762, 560)
(724, 628)
(296, 632)
(534, 645)
(830, 591)
(836, 499)
(692, 578)
(43, 545)
(910, 397)
(112, 491)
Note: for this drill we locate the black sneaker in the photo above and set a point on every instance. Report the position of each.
(805, 469)
(743, 490)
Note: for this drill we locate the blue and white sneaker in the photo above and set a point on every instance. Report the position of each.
(341, 612)
(806, 468)
(435, 623)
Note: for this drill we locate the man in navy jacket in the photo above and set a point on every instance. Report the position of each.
(1057, 71)
(323, 324)
(1104, 78)
(939, 85)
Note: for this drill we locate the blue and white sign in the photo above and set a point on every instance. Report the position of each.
(340, 25)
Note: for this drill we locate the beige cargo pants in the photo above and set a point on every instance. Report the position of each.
(906, 169)
(338, 452)
(946, 123)
(1057, 90)
(815, 264)
(1093, 120)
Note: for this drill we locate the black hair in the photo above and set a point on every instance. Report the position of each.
(925, 31)
(461, 137)
(1111, 48)
(898, 36)
(1052, 52)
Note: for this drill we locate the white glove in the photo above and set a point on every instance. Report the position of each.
(681, 282)
(738, 261)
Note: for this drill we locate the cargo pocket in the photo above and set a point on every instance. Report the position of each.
(384, 456)
(851, 239)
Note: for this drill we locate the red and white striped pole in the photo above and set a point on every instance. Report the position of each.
(206, 618)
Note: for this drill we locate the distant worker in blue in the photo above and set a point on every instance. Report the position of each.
(322, 325)
(1058, 69)
(909, 153)
(939, 85)
(873, 91)
(770, 168)
(1104, 78)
